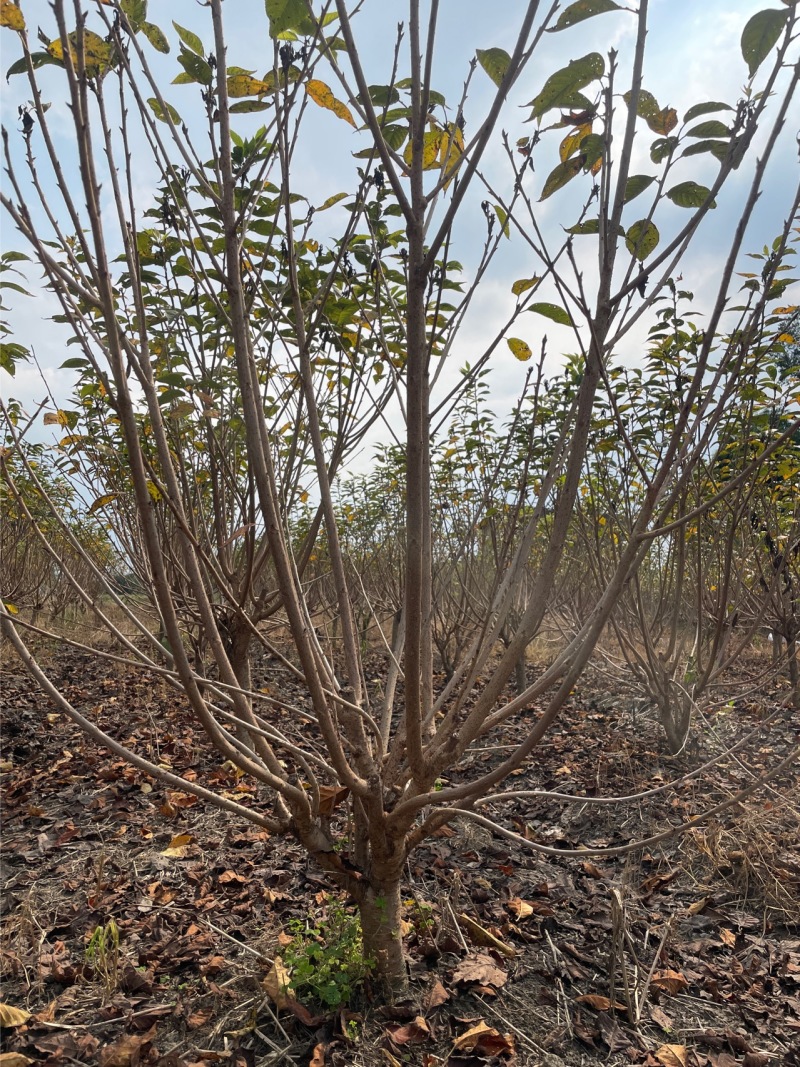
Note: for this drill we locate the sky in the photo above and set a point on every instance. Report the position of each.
(692, 55)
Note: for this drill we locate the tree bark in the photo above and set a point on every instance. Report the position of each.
(380, 910)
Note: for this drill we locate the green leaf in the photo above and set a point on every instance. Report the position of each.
(160, 113)
(641, 239)
(383, 95)
(760, 35)
(592, 148)
(580, 10)
(711, 128)
(690, 194)
(663, 148)
(587, 227)
(197, 67)
(552, 311)
(246, 107)
(560, 86)
(136, 10)
(156, 37)
(646, 105)
(38, 59)
(285, 15)
(560, 175)
(637, 184)
(716, 148)
(191, 40)
(521, 285)
(495, 62)
(704, 109)
(521, 350)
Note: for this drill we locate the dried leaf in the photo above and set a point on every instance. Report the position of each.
(727, 937)
(413, 1033)
(276, 983)
(669, 982)
(178, 846)
(126, 1050)
(11, 1016)
(318, 1057)
(599, 1002)
(330, 797)
(14, 1059)
(437, 996)
(672, 1055)
(479, 935)
(486, 1040)
(481, 968)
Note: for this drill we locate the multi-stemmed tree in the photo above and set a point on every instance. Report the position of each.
(233, 354)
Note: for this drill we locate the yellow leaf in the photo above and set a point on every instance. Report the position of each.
(178, 846)
(11, 609)
(787, 310)
(572, 141)
(786, 339)
(14, 1059)
(102, 501)
(11, 1016)
(321, 94)
(56, 418)
(244, 85)
(451, 148)
(98, 55)
(430, 150)
(521, 351)
(11, 16)
(522, 284)
(154, 491)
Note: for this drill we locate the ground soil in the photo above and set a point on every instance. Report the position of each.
(683, 955)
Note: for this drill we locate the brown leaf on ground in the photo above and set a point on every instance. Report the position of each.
(437, 996)
(669, 982)
(14, 1059)
(11, 1016)
(318, 1056)
(480, 967)
(485, 1040)
(414, 1033)
(126, 1051)
(672, 1055)
(330, 796)
(599, 1002)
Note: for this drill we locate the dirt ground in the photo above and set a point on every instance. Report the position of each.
(140, 927)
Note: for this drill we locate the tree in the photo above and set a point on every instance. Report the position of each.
(233, 354)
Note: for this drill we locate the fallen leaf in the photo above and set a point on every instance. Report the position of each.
(486, 1040)
(318, 1057)
(438, 995)
(669, 982)
(520, 909)
(480, 967)
(414, 1033)
(671, 1055)
(14, 1059)
(199, 1018)
(11, 1016)
(126, 1050)
(178, 846)
(727, 937)
(330, 796)
(479, 935)
(276, 983)
(599, 1003)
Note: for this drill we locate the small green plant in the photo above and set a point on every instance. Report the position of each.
(102, 955)
(326, 959)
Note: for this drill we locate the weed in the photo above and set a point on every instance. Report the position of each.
(326, 960)
(102, 955)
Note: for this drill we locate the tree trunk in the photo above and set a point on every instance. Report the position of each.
(379, 909)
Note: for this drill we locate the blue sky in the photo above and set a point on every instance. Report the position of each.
(692, 55)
